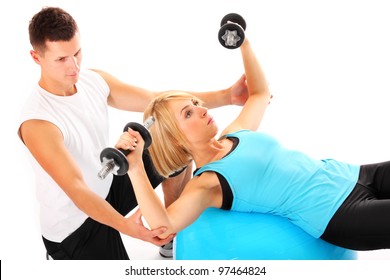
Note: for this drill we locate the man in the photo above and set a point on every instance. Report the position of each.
(64, 125)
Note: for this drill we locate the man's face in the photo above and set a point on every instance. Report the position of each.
(60, 64)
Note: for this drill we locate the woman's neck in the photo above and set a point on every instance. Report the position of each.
(212, 151)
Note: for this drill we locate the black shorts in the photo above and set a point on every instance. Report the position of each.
(95, 241)
(363, 221)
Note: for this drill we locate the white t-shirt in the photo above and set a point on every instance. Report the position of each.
(83, 121)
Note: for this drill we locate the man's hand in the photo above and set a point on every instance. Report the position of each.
(239, 92)
(139, 231)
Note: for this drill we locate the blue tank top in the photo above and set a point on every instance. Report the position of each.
(265, 177)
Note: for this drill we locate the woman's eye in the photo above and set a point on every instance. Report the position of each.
(188, 114)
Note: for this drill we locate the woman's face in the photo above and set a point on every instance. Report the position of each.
(193, 120)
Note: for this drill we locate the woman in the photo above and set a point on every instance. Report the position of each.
(247, 171)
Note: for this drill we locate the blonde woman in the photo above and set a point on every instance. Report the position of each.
(248, 171)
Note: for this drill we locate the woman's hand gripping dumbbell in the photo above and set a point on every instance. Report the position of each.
(114, 160)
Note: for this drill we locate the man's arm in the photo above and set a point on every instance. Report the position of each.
(237, 94)
(124, 96)
(45, 142)
(131, 98)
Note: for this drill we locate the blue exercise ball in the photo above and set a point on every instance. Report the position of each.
(228, 235)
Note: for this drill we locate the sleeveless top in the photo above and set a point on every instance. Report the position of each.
(83, 121)
(265, 177)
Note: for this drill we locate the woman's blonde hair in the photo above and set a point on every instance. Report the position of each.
(170, 148)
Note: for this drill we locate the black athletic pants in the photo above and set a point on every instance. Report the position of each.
(95, 241)
(363, 220)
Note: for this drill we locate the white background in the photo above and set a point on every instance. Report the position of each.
(327, 63)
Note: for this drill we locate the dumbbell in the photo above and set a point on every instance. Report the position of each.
(231, 34)
(114, 160)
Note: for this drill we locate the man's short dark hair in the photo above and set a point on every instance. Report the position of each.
(51, 24)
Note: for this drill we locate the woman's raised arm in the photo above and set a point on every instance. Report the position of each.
(258, 93)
